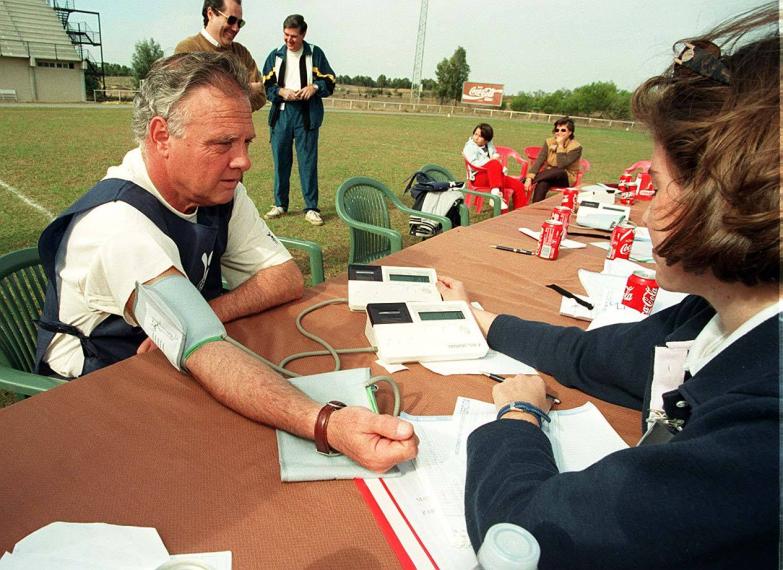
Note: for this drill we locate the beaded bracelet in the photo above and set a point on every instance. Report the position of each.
(539, 414)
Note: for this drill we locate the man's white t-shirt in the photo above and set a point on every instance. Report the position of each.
(109, 248)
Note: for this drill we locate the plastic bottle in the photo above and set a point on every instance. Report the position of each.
(508, 547)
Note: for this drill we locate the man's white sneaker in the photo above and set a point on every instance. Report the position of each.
(275, 212)
(503, 203)
(314, 218)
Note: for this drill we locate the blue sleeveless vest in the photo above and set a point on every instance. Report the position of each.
(200, 245)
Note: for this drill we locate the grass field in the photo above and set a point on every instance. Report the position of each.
(53, 155)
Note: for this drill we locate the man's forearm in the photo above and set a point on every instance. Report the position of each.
(251, 389)
(267, 288)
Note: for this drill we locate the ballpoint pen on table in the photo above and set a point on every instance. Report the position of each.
(497, 378)
(513, 249)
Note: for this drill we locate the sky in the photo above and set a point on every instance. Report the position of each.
(526, 45)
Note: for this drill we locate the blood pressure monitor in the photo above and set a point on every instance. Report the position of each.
(428, 331)
(388, 284)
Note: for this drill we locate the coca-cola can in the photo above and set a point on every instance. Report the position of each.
(549, 240)
(640, 292)
(627, 195)
(644, 187)
(562, 214)
(569, 198)
(621, 242)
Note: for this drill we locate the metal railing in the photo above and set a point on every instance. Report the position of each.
(118, 95)
(463, 110)
(42, 50)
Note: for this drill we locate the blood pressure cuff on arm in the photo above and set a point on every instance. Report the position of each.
(176, 318)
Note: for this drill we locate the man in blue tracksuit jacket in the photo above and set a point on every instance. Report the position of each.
(296, 77)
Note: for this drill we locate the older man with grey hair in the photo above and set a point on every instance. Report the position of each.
(176, 207)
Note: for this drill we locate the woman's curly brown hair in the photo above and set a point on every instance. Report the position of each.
(722, 142)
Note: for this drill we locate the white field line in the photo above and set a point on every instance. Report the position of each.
(27, 200)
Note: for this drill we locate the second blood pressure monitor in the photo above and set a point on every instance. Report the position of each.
(387, 284)
(412, 332)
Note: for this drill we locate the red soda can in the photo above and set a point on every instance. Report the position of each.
(622, 239)
(562, 214)
(640, 292)
(644, 187)
(627, 195)
(549, 240)
(569, 198)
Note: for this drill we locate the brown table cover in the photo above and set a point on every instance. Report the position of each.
(140, 444)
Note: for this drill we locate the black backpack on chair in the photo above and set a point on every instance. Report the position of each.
(434, 197)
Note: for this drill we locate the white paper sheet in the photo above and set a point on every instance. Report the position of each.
(82, 545)
(494, 362)
(391, 368)
(99, 546)
(430, 493)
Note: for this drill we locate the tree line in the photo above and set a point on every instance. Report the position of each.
(598, 99)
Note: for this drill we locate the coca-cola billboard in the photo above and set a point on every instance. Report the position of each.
(482, 93)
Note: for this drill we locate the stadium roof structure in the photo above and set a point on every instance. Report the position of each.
(31, 28)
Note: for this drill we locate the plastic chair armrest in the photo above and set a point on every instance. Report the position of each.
(496, 200)
(394, 237)
(314, 252)
(20, 382)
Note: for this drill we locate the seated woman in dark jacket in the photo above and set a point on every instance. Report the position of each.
(557, 162)
(704, 373)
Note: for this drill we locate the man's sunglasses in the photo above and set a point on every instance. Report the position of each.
(232, 20)
(559, 130)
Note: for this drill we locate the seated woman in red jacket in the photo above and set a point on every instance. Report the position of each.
(557, 162)
(480, 151)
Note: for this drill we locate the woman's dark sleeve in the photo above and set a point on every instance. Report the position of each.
(611, 363)
(566, 159)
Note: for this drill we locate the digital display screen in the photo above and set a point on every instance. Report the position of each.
(409, 278)
(441, 315)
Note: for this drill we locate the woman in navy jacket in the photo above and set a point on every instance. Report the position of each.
(703, 490)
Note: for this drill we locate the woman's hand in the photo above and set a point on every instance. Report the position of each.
(452, 289)
(530, 389)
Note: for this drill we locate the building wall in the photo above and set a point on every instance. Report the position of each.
(15, 74)
(59, 85)
(44, 84)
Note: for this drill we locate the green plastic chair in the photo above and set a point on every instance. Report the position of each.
(313, 251)
(442, 174)
(22, 290)
(362, 204)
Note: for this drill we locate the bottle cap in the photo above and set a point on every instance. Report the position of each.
(509, 547)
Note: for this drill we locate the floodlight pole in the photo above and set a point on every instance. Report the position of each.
(418, 59)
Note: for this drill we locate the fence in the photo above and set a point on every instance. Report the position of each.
(122, 95)
(119, 95)
(402, 107)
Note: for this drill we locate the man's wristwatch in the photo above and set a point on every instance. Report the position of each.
(321, 423)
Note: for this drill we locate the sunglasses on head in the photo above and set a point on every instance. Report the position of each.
(560, 130)
(232, 20)
(702, 58)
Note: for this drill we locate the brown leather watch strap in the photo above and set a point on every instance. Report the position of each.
(321, 423)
